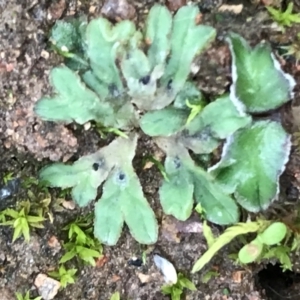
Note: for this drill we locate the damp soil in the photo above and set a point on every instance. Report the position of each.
(27, 143)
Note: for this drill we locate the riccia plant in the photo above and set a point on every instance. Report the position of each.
(124, 79)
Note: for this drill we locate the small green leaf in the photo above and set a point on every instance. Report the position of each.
(102, 35)
(253, 90)
(195, 110)
(219, 207)
(286, 18)
(123, 200)
(176, 293)
(163, 122)
(189, 93)
(108, 215)
(34, 219)
(274, 234)
(67, 256)
(250, 252)
(158, 28)
(137, 212)
(187, 40)
(205, 278)
(17, 232)
(88, 173)
(115, 296)
(216, 121)
(64, 35)
(19, 296)
(282, 253)
(251, 165)
(166, 289)
(11, 213)
(186, 283)
(176, 194)
(208, 234)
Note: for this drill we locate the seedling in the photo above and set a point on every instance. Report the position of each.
(268, 234)
(271, 236)
(81, 243)
(205, 278)
(215, 244)
(294, 50)
(156, 163)
(22, 221)
(126, 79)
(176, 289)
(26, 297)
(286, 18)
(64, 276)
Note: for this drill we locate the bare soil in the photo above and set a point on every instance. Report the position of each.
(27, 143)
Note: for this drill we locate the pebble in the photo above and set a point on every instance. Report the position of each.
(117, 10)
(47, 287)
(7, 191)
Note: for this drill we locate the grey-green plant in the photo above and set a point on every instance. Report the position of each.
(133, 79)
(65, 276)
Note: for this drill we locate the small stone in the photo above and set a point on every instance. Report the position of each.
(45, 54)
(174, 5)
(47, 287)
(143, 277)
(101, 261)
(236, 9)
(54, 244)
(117, 10)
(237, 276)
(92, 9)
(69, 205)
(87, 126)
(56, 9)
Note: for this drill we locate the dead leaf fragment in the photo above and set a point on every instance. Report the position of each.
(237, 276)
(236, 9)
(101, 261)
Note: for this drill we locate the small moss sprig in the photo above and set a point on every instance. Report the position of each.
(81, 244)
(284, 18)
(21, 220)
(26, 296)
